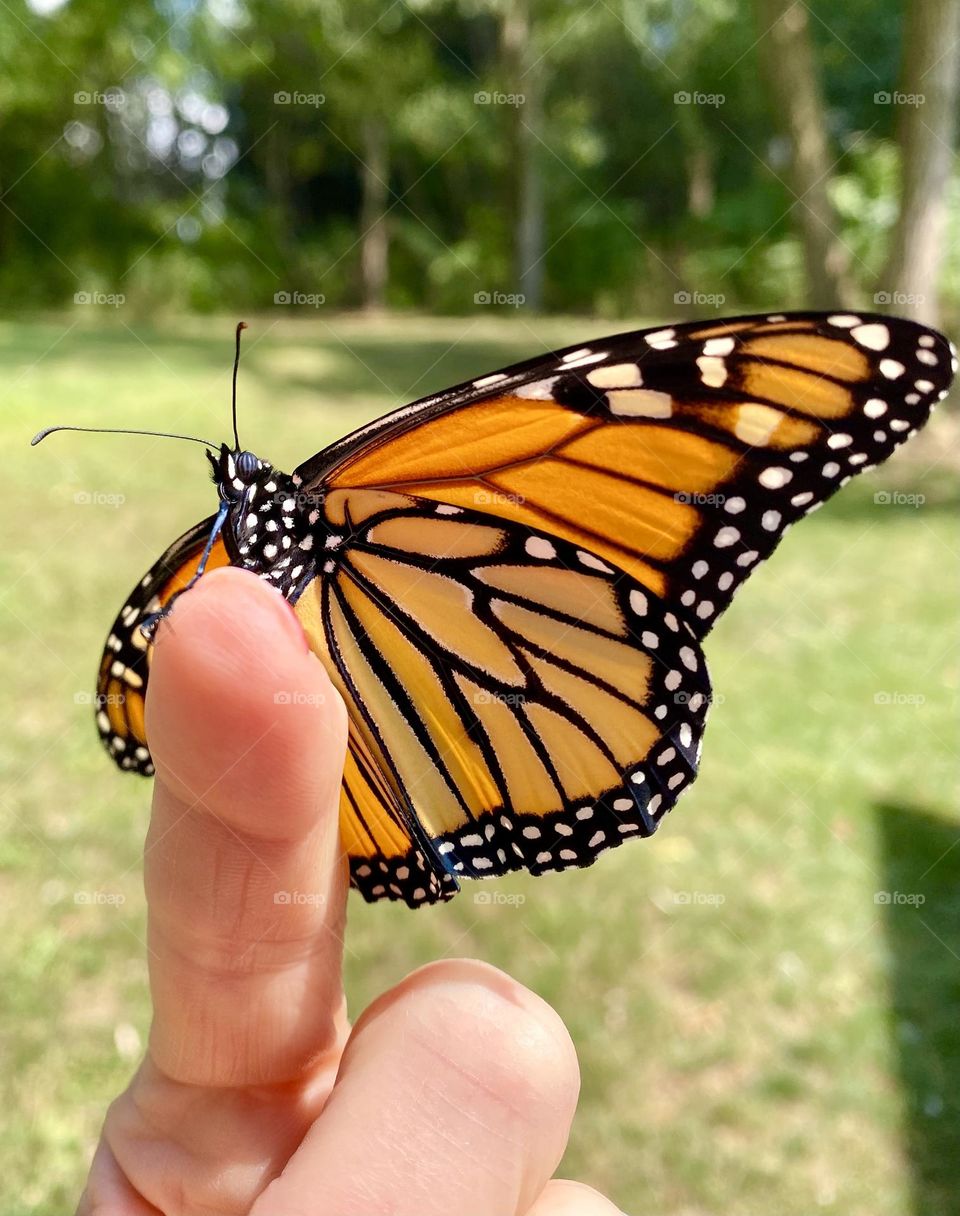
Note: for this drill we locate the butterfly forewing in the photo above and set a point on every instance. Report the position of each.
(680, 455)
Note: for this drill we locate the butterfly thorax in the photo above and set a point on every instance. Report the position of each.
(269, 528)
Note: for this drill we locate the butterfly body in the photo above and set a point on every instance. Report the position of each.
(509, 582)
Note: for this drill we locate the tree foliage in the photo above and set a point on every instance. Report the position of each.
(627, 156)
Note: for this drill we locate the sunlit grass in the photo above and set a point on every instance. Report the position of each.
(732, 986)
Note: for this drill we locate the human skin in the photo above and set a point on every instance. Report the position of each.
(452, 1093)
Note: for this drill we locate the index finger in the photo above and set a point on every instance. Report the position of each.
(245, 880)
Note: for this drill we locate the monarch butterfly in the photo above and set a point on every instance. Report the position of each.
(509, 582)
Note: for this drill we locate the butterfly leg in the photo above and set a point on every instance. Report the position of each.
(148, 626)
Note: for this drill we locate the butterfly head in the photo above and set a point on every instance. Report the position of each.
(236, 472)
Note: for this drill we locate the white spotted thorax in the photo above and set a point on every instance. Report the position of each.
(273, 525)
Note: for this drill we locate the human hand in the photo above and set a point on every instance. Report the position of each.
(455, 1090)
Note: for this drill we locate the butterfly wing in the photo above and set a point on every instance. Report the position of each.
(125, 665)
(390, 854)
(524, 703)
(680, 455)
(676, 458)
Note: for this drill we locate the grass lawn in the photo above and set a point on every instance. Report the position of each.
(757, 1033)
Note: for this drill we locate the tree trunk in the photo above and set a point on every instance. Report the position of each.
(930, 80)
(375, 239)
(787, 48)
(523, 74)
(698, 158)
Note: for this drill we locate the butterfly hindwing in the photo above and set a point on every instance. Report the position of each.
(125, 665)
(531, 704)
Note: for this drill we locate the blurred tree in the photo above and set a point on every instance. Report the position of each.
(523, 72)
(787, 49)
(929, 89)
(615, 157)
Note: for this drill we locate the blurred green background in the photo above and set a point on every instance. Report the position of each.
(397, 196)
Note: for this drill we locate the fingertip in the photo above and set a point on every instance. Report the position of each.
(469, 1010)
(458, 1053)
(561, 1197)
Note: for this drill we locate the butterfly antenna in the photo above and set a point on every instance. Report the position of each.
(236, 364)
(110, 430)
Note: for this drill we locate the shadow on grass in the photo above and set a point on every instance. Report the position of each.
(921, 858)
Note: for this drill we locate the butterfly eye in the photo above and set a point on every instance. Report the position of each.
(247, 465)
